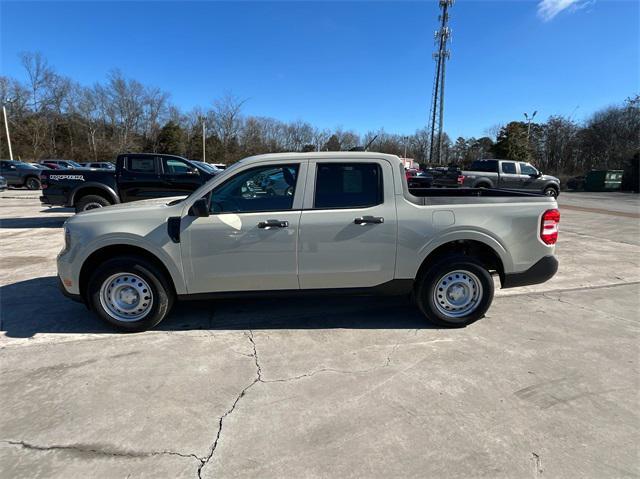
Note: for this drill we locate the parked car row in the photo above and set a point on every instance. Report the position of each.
(30, 174)
(486, 174)
(19, 173)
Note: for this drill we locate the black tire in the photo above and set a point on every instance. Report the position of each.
(428, 282)
(163, 295)
(90, 202)
(33, 183)
(551, 191)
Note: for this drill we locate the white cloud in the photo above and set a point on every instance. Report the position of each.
(548, 9)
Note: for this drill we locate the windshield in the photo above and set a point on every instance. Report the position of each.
(205, 166)
(22, 164)
(74, 164)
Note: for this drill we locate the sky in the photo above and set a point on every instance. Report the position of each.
(361, 65)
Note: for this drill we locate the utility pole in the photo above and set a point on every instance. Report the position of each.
(6, 125)
(529, 120)
(442, 36)
(204, 140)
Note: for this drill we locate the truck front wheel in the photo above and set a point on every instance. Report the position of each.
(32, 183)
(130, 293)
(455, 291)
(91, 202)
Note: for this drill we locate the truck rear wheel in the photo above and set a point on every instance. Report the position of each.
(91, 202)
(130, 293)
(455, 291)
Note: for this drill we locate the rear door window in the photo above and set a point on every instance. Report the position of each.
(138, 164)
(348, 185)
(488, 166)
(509, 167)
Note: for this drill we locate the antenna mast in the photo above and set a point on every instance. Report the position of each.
(436, 115)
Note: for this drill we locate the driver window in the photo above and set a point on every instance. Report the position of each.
(527, 169)
(172, 166)
(264, 188)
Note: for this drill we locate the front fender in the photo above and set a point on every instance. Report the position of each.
(168, 254)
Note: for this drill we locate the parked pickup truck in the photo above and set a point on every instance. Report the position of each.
(19, 173)
(511, 175)
(137, 176)
(295, 223)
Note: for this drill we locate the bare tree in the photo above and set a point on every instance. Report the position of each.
(39, 74)
(226, 121)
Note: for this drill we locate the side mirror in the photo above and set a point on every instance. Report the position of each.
(200, 208)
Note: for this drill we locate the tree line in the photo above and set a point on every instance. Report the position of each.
(52, 116)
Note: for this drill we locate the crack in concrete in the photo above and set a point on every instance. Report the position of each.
(203, 461)
(258, 378)
(537, 465)
(255, 355)
(569, 290)
(96, 450)
(560, 299)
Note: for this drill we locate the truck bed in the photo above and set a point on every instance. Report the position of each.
(427, 196)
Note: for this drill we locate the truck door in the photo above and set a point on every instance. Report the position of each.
(348, 225)
(529, 177)
(179, 177)
(249, 241)
(139, 178)
(509, 177)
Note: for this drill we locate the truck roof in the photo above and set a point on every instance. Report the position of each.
(324, 155)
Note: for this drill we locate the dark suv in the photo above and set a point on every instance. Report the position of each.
(18, 173)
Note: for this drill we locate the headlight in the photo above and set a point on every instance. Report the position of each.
(67, 240)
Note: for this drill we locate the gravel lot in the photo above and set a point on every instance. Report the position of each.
(547, 385)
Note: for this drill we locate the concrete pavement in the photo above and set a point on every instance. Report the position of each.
(545, 386)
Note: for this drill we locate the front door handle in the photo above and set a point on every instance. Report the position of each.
(273, 224)
(364, 220)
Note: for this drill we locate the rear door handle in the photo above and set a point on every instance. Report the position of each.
(273, 224)
(364, 220)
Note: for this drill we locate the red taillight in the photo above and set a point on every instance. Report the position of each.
(549, 226)
(460, 179)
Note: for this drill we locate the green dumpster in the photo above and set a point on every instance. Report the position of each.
(603, 180)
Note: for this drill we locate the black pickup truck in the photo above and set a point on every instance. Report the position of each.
(137, 176)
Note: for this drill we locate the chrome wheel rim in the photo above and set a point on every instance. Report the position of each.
(32, 184)
(126, 297)
(457, 294)
(550, 192)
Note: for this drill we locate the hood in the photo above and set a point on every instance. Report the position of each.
(128, 211)
(549, 178)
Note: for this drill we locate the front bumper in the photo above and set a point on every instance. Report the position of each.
(63, 290)
(540, 272)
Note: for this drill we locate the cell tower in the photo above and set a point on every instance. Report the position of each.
(436, 115)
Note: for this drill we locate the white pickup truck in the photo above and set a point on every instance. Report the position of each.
(300, 223)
